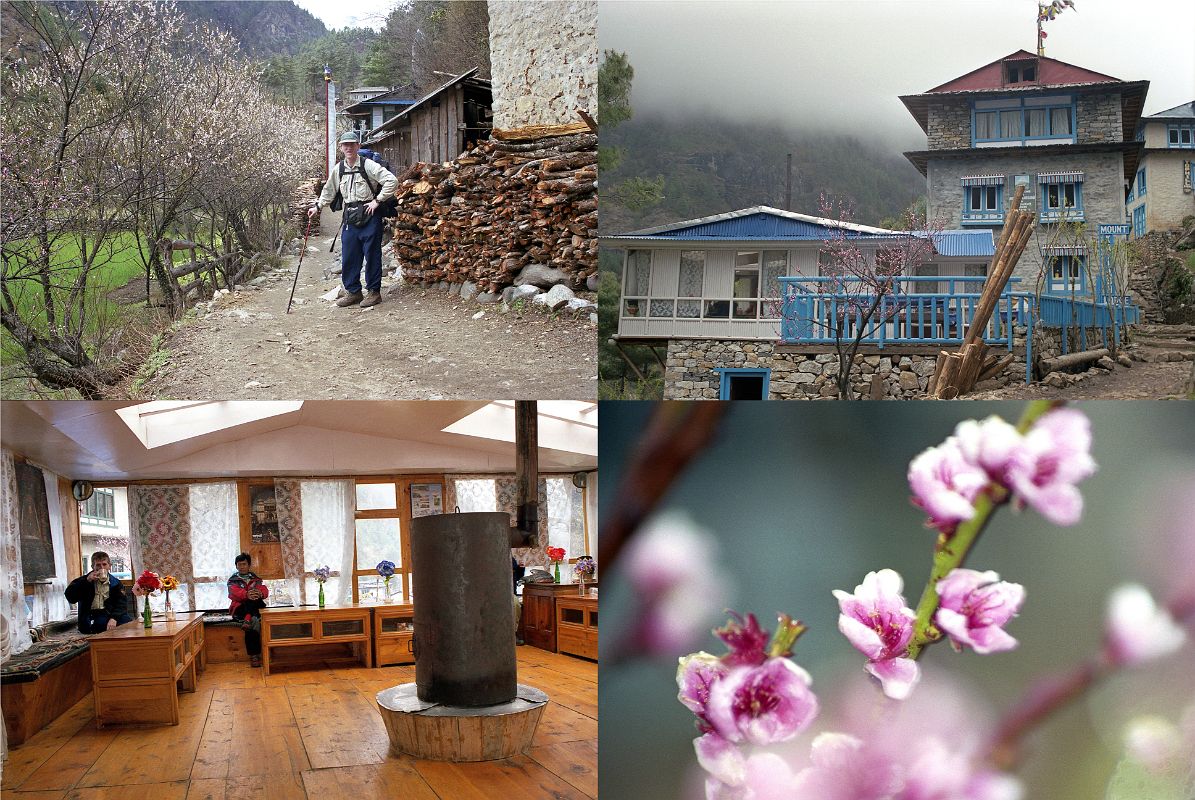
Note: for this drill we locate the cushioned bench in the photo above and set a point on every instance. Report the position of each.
(223, 638)
(42, 682)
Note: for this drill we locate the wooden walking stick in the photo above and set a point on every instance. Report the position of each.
(299, 266)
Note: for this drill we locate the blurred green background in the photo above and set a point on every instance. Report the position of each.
(808, 497)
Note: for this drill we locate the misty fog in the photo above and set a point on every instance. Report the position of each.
(842, 64)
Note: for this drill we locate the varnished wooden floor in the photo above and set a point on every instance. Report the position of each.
(305, 735)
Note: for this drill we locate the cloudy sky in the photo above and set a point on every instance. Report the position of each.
(349, 13)
(843, 63)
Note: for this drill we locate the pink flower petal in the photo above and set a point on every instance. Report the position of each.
(897, 676)
(721, 759)
(863, 638)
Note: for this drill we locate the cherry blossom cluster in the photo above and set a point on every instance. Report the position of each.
(755, 697)
(1039, 468)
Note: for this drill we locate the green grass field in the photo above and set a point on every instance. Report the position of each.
(118, 263)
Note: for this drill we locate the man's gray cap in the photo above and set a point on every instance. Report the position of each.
(350, 136)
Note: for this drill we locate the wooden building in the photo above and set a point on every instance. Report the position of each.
(347, 481)
(439, 126)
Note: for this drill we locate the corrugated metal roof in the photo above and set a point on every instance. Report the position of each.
(963, 243)
(757, 222)
(1184, 111)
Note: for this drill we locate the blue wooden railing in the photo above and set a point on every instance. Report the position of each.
(815, 307)
(1110, 317)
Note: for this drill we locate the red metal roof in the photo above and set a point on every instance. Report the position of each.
(1050, 72)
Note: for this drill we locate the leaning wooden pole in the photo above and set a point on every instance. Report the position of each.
(956, 374)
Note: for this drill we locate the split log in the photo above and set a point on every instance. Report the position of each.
(538, 131)
(991, 370)
(1069, 360)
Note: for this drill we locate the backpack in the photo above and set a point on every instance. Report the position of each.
(386, 209)
(374, 155)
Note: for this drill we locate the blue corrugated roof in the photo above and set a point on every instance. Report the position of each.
(964, 243)
(760, 225)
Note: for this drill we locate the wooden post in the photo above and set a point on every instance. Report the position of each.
(526, 473)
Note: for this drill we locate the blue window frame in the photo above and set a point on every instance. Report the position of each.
(983, 205)
(744, 384)
(1139, 221)
(1061, 201)
(1067, 274)
(1141, 182)
(1019, 123)
(1129, 197)
(1180, 136)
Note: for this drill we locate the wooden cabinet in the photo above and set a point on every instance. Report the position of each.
(393, 634)
(323, 631)
(577, 625)
(136, 672)
(538, 624)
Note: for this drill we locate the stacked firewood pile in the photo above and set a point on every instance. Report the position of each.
(525, 197)
(301, 199)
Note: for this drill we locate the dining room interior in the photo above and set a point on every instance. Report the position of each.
(299, 599)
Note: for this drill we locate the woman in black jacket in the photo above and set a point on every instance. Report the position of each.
(102, 601)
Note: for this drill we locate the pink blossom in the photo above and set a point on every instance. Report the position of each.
(670, 566)
(763, 704)
(945, 484)
(746, 640)
(1053, 457)
(695, 676)
(734, 776)
(975, 606)
(876, 620)
(990, 444)
(1137, 629)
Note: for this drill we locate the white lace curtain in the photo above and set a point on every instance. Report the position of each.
(48, 601)
(191, 532)
(14, 625)
(316, 526)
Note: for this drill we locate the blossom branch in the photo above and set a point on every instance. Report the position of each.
(952, 547)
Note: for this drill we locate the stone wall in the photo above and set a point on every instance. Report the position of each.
(544, 60)
(1103, 191)
(1099, 119)
(949, 125)
(689, 371)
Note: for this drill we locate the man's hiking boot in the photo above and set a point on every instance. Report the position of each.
(349, 300)
(371, 299)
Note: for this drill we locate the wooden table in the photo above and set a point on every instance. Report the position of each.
(137, 672)
(577, 625)
(393, 634)
(318, 630)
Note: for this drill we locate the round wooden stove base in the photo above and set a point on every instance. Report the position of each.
(454, 733)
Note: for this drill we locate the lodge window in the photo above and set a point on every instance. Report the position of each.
(983, 200)
(99, 509)
(926, 287)
(1180, 135)
(636, 283)
(1061, 197)
(744, 384)
(775, 266)
(1139, 221)
(379, 536)
(1022, 120)
(1020, 71)
(746, 285)
(1141, 182)
(690, 284)
(1066, 274)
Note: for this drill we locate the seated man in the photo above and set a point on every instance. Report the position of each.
(102, 601)
(248, 594)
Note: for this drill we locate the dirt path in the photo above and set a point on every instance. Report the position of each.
(417, 344)
(1142, 381)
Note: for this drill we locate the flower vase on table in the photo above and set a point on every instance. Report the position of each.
(169, 584)
(385, 570)
(555, 555)
(147, 615)
(146, 584)
(584, 569)
(322, 574)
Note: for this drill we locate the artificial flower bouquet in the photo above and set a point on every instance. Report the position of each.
(555, 555)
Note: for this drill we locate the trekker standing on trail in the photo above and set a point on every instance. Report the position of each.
(363, 185)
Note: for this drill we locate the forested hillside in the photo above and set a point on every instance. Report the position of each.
(711, 165)
(264, 28)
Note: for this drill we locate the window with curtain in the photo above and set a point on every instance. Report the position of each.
(566, 517)
(379, 537)
(328, 526)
